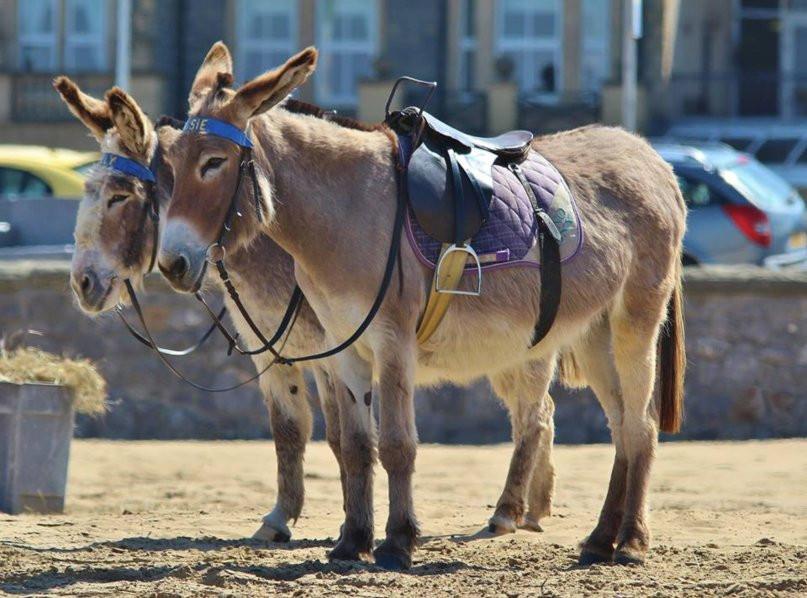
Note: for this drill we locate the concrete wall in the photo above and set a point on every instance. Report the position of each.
(746, 338)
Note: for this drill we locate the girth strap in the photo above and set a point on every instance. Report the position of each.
(549, 243)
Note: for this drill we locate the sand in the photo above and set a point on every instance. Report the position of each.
(174, 519)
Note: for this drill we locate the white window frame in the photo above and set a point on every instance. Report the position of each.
(600, 46)
(72, 40)
(245, 44)
(512, 45)
(329, 47)
(39, 40)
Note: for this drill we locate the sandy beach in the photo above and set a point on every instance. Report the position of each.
(175, 518)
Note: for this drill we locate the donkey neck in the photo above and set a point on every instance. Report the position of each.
(331, 184)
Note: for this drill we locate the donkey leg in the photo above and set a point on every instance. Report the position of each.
(524, 390)
(635, 356)
(596, 359)
(326, 388)
(291, 428)
(397, 449)
(357, 446)
(542, 485)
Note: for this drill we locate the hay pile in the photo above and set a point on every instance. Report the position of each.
(87, 387)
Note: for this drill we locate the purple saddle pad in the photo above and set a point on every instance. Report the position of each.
(510, 232)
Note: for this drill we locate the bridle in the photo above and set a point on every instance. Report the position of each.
(215, 254)
(151, 211)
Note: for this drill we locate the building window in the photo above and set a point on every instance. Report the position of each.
(467, 45)
(595, 63)
(84, 35)
(37, 38)
(347, 39)
(62, 34)
(266, 31)
(529, 33)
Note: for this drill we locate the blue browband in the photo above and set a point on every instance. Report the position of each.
(205, 125)
(127, 166)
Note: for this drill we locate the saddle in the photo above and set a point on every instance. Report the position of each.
(449, 174)
(449, 183)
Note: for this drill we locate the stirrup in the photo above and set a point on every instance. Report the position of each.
(467, 249)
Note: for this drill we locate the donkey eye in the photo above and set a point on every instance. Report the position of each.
(212, 164)
(118, 198)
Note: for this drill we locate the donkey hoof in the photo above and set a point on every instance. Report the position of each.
(392, 560)
(592, 556)
(531, 524)
(267, 533)
(352, 545)
(498, 525)
(627, 556)
(343, 552)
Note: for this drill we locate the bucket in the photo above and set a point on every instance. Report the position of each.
(36, 426)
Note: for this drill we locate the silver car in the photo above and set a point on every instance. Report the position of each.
(740, 211)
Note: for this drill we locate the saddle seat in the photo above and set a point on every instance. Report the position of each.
(450, 175)
(513, 144)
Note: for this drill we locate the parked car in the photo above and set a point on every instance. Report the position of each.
(781, 146)
(740, 210)
(36, 171)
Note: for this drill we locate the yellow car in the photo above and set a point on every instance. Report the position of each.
(36, 171)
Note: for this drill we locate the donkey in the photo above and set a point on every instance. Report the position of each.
(114, 242)
(111, 245)
(330, 198)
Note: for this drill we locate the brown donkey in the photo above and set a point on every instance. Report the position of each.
(111, 245)
(330, 201)
(114, 241)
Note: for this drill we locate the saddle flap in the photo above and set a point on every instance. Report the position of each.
(432, 194)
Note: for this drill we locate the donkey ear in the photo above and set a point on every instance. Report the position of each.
(94, 113)
(218, 61)
(263, 92)
(132, 125)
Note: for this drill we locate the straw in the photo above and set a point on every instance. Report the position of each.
(87, 387)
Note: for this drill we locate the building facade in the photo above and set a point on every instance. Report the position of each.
(717, 58)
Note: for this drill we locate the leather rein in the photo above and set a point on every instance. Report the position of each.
(216, 255)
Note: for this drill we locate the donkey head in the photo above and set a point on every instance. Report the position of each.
(213, 182)
(114, 231)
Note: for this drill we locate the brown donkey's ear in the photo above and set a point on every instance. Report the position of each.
(94, 113)
(133, 127)
(272, 87)
(217, 62)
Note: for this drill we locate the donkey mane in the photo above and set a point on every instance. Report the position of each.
(306, 108)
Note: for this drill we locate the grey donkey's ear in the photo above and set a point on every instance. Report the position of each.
(94, 113)
(267, 90)
(134, 128)
(216, 71)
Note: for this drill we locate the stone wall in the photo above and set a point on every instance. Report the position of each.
(746, 339)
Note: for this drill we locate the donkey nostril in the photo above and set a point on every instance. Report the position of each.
(85, 283)
(179, 267)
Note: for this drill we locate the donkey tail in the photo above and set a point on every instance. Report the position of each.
(672, 361)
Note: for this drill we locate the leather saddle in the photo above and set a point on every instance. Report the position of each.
(450, 174)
